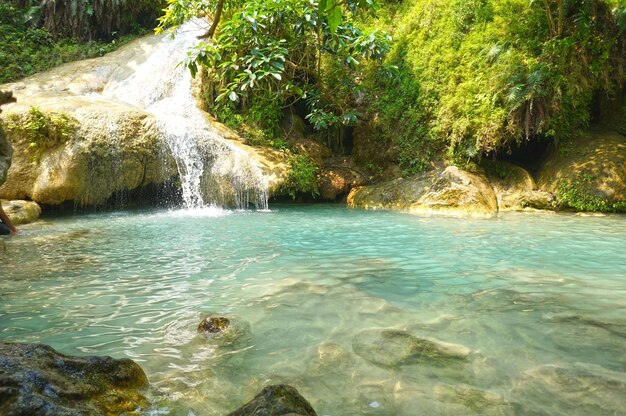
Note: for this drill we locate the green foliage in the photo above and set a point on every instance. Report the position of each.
(41, 130)
(580, 195)
(400, 117)
(302, 177)
(484, 74)
(26, 48)
(283, 52)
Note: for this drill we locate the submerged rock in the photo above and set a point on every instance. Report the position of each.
(223, 330)
(21, 212)
(587, 173)
(394, 348)
(276, 400)
(36, 380)
(213, 325)
(450, 191)
(579, 390)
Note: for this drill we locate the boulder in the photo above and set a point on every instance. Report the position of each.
(582, 389)
(515, 187)
(114, 147)
(394, 348)
(337, 177)
(21, 212)
(276, 400)
(449, 191)
(36, 380)
(587, 173)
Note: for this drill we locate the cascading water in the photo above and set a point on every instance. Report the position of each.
(212, 170)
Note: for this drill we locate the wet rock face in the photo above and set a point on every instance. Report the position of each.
(276, 400)
(395, 348)
(213, 325)
(450, 191)
(35, 380)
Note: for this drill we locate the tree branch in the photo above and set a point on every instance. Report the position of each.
(216, 20)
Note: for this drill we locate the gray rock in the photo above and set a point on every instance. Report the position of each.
(394, 348)
(278, 400)
(36, 380)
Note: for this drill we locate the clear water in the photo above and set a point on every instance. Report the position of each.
(539, 299)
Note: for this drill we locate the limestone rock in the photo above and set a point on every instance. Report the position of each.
(582, 389)
(278, 400)
(394, 348)
(588, 173)
(118, 147)
(337, 177)
(515, 187)
(449, 191)
(22, 212)
(35, 380)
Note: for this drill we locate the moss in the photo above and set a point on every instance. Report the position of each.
(41, 130)
(580, 195)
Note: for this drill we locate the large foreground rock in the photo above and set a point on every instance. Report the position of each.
(21, 212)
(35, 380)
(588, 173)
(450, 191)
(278, 400)
(394, 348)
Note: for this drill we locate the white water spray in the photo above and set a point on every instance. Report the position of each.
(212, 170)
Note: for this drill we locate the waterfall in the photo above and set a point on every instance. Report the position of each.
(212, 170)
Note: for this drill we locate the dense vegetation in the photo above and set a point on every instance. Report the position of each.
(485, 74)
(38, 35)
(468, 77)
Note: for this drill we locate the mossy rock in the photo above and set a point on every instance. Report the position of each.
(222, 330)
(394, 348)
(588, 173)
(447, 191)
(278, 400)
(36, 380)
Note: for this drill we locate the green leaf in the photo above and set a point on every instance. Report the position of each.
(321, 8)
(334, 15)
